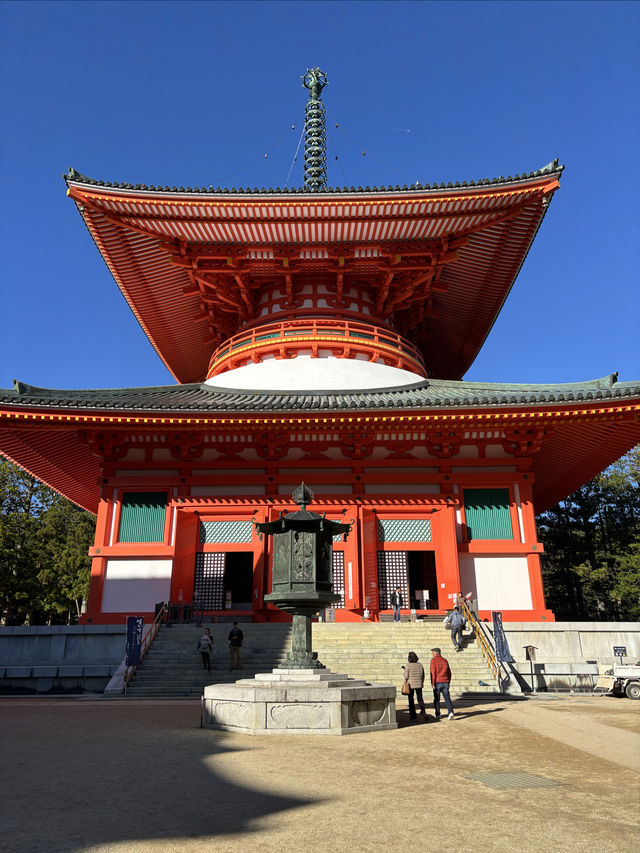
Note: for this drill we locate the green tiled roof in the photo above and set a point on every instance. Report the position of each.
(549, 169)
(430, 393)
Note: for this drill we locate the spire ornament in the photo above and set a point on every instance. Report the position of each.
(315, 140)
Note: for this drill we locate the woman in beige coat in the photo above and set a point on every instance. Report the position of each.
(414, 674)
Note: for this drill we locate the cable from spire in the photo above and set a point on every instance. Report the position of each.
(315, 141)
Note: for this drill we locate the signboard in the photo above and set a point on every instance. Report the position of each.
(502, 646)
(134, 640)
(620, 651)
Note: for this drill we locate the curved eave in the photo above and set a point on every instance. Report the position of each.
(587, 425)
(132, 229)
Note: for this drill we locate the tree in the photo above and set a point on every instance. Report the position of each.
(591, 564)
(44, 543)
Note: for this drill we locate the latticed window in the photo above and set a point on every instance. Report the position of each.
(404, 530)
(212, 532)
(208, 587)
(338, 578)
(142, 517)
(392, 573)
(487, 514)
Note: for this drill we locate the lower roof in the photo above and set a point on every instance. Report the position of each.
(432, 393)
(588, 425)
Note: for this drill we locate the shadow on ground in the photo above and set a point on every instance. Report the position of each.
(131, 777)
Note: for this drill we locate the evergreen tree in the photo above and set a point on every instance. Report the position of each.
(44, 543)
(591, 564)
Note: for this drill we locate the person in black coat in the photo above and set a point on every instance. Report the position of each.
(396, 603)
(235, 646)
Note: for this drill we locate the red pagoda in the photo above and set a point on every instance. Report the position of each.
(318, 334)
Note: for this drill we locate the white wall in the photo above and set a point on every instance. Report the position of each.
(135, 586)
(499, 582)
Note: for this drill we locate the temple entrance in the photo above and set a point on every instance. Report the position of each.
(423, 582)
(238, 579)
(223, 577)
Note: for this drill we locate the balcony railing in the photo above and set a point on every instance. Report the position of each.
(345, 339)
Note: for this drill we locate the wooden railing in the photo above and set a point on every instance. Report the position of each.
(486, 647)
(286, 338)
(150, 637)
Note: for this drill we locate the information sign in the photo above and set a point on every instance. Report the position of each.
(134, 640)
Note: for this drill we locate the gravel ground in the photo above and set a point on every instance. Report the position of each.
(125, 775)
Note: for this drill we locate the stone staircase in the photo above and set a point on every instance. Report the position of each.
(173, 666)
(377, 651)
(372, 651)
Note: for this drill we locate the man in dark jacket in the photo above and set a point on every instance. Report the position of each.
(396, 603)
(235, 646)
(440, 680)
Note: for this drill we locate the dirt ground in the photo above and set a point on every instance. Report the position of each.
(125, 775)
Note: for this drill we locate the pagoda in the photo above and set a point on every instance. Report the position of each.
(318, 334)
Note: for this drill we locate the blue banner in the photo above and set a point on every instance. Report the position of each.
(134, 640)
(503, 653)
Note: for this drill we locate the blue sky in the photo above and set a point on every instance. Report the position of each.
(196, 94)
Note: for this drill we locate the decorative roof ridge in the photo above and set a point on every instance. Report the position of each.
(23, 388)
(607, 381)
(552, 168)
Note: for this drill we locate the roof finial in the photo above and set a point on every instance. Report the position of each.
(315, 140)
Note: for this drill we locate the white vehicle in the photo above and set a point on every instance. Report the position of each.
(622, 679)
(626, 679)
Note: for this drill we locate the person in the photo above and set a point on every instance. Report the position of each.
(472, 604)
(414, 674)
(205, 647)
(456, 621)
(440, 680)
(396, 603)
(235, 646)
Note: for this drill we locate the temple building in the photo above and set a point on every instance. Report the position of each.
(318, 335)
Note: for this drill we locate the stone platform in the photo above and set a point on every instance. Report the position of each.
(300, 701)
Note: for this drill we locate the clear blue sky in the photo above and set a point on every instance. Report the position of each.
(188, 93)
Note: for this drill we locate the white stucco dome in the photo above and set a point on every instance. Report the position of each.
(305, 373)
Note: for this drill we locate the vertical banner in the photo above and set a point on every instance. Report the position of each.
(503, 653)
(134, 640)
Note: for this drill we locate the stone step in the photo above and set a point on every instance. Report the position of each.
(373, 652)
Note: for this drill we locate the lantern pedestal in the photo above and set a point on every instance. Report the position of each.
(300, 701)
(301, 696)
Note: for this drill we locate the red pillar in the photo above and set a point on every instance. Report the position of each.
(184, 556)
(98, 562)
(443, 533)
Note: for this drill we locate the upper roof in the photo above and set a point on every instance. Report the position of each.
(476, 233)
(586, 425)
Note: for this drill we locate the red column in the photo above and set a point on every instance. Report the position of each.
(184, 555)
(365, 573)
(443, 533)
(98, 563)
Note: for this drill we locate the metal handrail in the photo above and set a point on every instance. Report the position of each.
(150, 637)
(486, 648)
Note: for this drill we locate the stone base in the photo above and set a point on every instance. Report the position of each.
(300, 702)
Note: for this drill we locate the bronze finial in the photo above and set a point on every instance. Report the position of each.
(315, 139)
(302, 495)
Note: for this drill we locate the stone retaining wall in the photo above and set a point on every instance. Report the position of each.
(60, 658)
(568, 654)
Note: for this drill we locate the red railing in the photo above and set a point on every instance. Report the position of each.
(340, 335)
